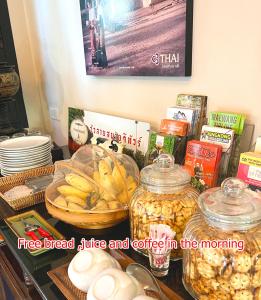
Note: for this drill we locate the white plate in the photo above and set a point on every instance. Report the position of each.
(24, 153)
(24, 142)
(18, 157)
(25, 163)
(13, 152)
(16, 170)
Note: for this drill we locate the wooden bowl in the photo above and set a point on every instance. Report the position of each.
(86, 219)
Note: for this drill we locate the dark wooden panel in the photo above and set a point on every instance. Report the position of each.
(7, 53)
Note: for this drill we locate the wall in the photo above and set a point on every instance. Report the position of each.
(226, 64)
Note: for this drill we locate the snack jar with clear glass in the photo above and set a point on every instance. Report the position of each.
(226, 264)
(165, 196)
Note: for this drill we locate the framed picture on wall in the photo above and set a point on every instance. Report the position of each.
(137, 37)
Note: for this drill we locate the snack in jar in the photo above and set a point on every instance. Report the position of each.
(228, 265)
(165, 196)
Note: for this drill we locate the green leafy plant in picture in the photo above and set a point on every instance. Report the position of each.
(74, 113)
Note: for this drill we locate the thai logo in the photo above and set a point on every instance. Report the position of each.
(165, 58)
(155, 58)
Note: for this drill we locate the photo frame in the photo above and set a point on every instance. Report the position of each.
(137, 37)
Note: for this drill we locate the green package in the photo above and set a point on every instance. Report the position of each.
(159, 143)
(228, 120)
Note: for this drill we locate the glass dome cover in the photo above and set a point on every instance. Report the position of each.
(233, 206)
(164, 176)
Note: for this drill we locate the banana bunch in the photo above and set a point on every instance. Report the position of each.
(117, 186)
(115, 189)
(74, 194)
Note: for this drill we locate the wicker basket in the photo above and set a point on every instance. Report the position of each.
(7, 183)
(85, 219)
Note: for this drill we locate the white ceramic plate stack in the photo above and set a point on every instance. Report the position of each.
(24, 153)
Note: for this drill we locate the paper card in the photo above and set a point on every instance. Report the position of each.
(83, 124)
(218, 136)
(227, 120)
(184, 114)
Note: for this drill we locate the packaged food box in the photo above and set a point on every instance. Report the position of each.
(165, 143)
(159, 143)
(184, 114)
(249, 168)
(228, 120)
(219, 136)
(198, 102)
(174, 127)
(202, 161)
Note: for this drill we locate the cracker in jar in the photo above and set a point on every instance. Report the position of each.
(256, 281)
(180, 221)
(204, 269)
(258, 294)
(149, 207)
(187, 212)
(188, 203)
(225, 286)
(203, 297)
(176, 229)
(226, 271)
(177, 206)
(257, 261)
(243, 295)
(167, 211)
(213, 256)
(200, 288)
(204, 286)
(240, 281)
(218, 295)
(179, 236)
(242, 262)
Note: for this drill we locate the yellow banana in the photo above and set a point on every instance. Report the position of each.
(119, 175)
(104, 168)
(76, 200)
(106, 196)
(123, 197)
(108, 183)
(74, 206)
(114, 204)
(101, 205)
(60, 201)
(79, 183)
(67, 190)
(96, 176)
(130, 180)
(131, 188)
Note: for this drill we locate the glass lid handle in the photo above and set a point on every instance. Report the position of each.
(233, 187)
(165, 161)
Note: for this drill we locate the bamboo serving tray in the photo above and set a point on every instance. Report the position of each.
(8, 182)
(60, 278)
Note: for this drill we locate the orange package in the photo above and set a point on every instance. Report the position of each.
(174, 127)
(202, 161)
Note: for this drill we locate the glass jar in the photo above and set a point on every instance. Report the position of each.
(165, 196)
(228, 265)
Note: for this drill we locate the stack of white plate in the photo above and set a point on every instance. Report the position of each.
(24, 153)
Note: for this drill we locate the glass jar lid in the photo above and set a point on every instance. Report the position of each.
(232, 206)
(164, 176)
